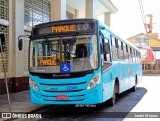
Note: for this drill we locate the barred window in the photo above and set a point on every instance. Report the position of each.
(4, 9)
(26, 46)
(36, 12)
(4, 29)
(69, 15)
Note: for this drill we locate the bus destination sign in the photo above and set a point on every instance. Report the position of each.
(66, 28)
(63, 28)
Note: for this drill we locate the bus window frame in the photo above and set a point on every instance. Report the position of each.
(114, 47)
(131, 54)
(105, 62)
(72, 73)
(120, 50)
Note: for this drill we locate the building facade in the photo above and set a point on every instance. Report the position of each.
(150, 51)
(17, 17)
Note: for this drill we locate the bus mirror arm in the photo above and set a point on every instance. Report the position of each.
(20, 41)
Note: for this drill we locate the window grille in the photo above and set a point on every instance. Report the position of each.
(4, 9)
(4, 29)
(36, 12)
(69, 15)
(26, 47)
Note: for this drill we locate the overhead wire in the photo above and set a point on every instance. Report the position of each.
(142, 13)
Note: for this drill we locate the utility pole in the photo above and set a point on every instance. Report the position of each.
(2, 46)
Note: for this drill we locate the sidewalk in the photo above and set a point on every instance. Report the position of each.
(20, 102)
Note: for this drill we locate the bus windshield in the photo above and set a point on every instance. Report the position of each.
(64, 54)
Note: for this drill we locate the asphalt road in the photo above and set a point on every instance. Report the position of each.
(144, 103)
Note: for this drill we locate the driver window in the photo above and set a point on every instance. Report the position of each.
(107, 54)
(106, 49)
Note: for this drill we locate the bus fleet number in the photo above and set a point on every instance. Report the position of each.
(71, 88)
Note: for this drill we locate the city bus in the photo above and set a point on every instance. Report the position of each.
(80, 61)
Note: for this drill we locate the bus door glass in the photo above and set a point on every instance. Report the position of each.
(106, 64)
(106, 55)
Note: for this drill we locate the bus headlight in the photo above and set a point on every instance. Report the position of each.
(94, 82)
(33, 84)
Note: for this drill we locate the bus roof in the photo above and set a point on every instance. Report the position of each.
(69, 21)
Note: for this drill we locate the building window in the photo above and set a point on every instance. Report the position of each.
(69, 15)
(36, 12)
(4, 9)
(26, 45)
(142, 41)
(4, 29)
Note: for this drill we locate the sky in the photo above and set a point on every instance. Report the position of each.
(128, 22)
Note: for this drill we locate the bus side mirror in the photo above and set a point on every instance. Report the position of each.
(20, 44)
(2, 39)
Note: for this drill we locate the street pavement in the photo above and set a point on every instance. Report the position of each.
(20, 102)
(144, 102)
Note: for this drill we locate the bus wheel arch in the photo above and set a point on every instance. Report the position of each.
(115, 92)
(134, 88)
(136, 79)
(116, 84)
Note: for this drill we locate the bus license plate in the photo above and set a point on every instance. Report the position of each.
(62, 97)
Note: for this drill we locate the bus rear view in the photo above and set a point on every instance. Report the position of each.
(64, 64)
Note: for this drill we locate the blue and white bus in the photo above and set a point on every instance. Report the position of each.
(80, 61)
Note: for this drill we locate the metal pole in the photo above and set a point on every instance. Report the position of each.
(5, 77)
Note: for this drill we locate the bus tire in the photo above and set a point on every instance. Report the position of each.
(113, 99)
(133, 89)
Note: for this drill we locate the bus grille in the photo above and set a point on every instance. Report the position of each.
(63, 84)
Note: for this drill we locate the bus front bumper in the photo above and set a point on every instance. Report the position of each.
(93, 96)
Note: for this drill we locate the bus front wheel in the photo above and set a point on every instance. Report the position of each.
(133, 89)
(113, 99)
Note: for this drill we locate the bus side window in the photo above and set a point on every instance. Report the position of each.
(124, 51)
(107, 50)
(127, 54)
(120, 50)
(114, 48)
(131, 55)
(34, 58)
(122, 47)
(139, 58)
(134, 56)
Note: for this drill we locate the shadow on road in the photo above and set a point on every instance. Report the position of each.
(124, 104)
